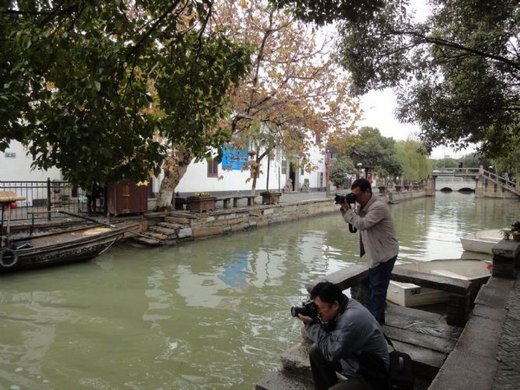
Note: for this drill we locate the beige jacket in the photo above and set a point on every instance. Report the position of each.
(376, 227)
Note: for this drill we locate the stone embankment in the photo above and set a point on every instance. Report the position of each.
(177, 226)
(487, 354)
(170, 228)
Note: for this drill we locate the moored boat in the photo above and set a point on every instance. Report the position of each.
(60, 247)
(411, 295)
(481, 241)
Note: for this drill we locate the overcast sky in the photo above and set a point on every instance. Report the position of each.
(379, 112)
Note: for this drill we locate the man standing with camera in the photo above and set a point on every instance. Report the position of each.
(378, 239)
(347, 339)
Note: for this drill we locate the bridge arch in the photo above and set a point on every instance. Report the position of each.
(447, 181)
(478, 180)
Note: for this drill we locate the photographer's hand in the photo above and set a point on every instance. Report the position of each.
(344, 207)
(305, 319)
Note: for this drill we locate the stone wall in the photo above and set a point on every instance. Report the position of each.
(233, 220)
(394, 197)
(185, 225)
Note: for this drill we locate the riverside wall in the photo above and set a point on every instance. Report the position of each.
(185, 225)
(169, 228)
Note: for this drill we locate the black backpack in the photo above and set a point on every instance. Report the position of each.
(401, 375)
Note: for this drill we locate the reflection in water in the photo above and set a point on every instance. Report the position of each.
(213, 314)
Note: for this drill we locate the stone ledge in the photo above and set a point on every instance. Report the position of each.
(460, 372)
(283, 381)
(473, 362)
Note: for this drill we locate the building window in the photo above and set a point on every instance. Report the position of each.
(284, 167)
(212, 167)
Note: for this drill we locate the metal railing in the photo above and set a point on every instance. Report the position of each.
(456, 172)
(43, 199)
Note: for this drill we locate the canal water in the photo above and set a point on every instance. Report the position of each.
(211, 314)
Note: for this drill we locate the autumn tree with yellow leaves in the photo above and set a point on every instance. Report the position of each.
(294, 99)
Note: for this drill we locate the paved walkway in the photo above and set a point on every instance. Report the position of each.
(487, 353)
(507, 375)
(295, 197)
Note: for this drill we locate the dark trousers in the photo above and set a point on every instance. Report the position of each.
(378, 281)
(324, 374)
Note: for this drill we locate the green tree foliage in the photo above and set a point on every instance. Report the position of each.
(413, 159)
(509, 164)
(375, 152)
(339, 170)
(473, 160)
(447, 162)
(94, 88)
(457, 72)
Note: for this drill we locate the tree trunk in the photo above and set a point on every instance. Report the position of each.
(175, 166)
(256, 174)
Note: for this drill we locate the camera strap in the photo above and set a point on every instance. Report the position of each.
(361, 246)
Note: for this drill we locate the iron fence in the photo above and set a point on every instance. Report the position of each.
(44, 199)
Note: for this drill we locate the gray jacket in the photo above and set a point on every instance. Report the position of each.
(376, 227)
(355, 331)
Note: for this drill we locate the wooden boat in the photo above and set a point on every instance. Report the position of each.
(410, 295)
(482, 241)
(60, 247)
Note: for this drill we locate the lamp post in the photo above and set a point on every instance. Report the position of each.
(359, 167)
(327, 172)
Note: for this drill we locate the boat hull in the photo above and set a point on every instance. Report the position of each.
(482, 241)
(64, 247)
(411, 295)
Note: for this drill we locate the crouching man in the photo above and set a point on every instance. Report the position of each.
(347, 339)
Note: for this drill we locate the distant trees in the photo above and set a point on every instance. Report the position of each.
(340, 168)
(383, 156)
(413, 159)
(376, 152)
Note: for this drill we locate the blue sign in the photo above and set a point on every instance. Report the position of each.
(233, 159)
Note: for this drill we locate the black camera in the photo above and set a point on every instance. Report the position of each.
(308, 309)
(349, 198)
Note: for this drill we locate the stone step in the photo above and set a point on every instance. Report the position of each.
(157, 236)
(181, 220)
(168, 233)
(296, 360)
(170, 225)
(146, 241)
(284, 380)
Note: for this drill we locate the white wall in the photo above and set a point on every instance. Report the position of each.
(15, 165)
(18, 168)
(196, 180)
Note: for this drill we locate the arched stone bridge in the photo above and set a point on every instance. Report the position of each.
(456, 179)
(484, 183)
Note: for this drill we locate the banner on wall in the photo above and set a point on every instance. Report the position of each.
(233, 159)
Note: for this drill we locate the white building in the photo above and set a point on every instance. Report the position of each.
(17, 175)
(15, 165)
(227, 176)
(206, 176)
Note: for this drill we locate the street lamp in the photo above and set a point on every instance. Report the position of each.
(359, 167)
